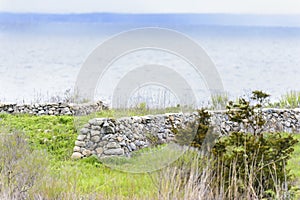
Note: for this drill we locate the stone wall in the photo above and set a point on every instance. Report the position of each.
(118, 137)
(52, 108)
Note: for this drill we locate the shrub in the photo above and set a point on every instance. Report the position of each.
(250, 164)
(195, 132)
(20, 167)
(255, 166)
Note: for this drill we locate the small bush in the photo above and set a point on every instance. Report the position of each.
(20, 167)
(255, 166)
(195, 132)
(250, 164)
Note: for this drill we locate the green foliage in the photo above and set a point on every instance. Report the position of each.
(256, 160)
(250, 163)
(195, 132)
(248, 115)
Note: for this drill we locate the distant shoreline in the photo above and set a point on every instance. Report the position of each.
(157, 19)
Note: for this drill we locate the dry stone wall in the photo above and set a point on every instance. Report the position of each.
(119, 137)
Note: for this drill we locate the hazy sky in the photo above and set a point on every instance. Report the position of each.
(153, 6)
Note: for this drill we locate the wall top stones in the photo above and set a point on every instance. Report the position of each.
(52, 108)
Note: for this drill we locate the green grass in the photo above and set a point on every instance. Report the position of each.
(146, 160)
(289, 100)
(294, 164)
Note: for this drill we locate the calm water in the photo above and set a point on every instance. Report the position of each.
(41, 60)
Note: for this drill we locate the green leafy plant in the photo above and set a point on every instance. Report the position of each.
(195, 131)
(248, 115)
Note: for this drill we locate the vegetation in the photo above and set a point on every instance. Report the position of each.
(219, 101)
(290, 100)
(247, 164)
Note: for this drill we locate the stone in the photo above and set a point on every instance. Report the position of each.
(107, 137)
(297, 117)
(99, 150)
(132, 146)
(93, 133)
(76, 155)
(79, 143)
(41, 112)
(112, 145)
(118, 152)
(84, 131)
(102, 143)
(81, 137)
(119, 138)
(95, 127)
(287, 124)
(105, 124)
(95, 139)
(123, 143)
(107, 130)
(76, 149)
(86, 153)
(227, 128)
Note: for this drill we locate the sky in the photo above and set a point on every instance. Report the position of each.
(153, 6)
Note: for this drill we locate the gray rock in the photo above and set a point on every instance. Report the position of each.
(99, 150)
(94, 133)
(112, 145)
(132, 146)
(76, 149)
(84, 131)
(76, 155)
(95, 127)
(81, 137)
(86, 153)
(118, 151)
(123, 143)
(137, 143)
(107, 137)
(41, 112)
(79, 143)
(95, 139)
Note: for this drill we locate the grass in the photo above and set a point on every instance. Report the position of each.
(289, 100)
(294, 164)
(146, 160)
(219, 101)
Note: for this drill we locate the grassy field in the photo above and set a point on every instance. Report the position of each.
(87, 178)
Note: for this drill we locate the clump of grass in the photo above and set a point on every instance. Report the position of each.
(290, 100)
(219, 101)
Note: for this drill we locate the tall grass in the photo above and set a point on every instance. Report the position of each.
(219, 101)
(290, 100)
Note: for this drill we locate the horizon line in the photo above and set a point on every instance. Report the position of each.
(149, 13)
